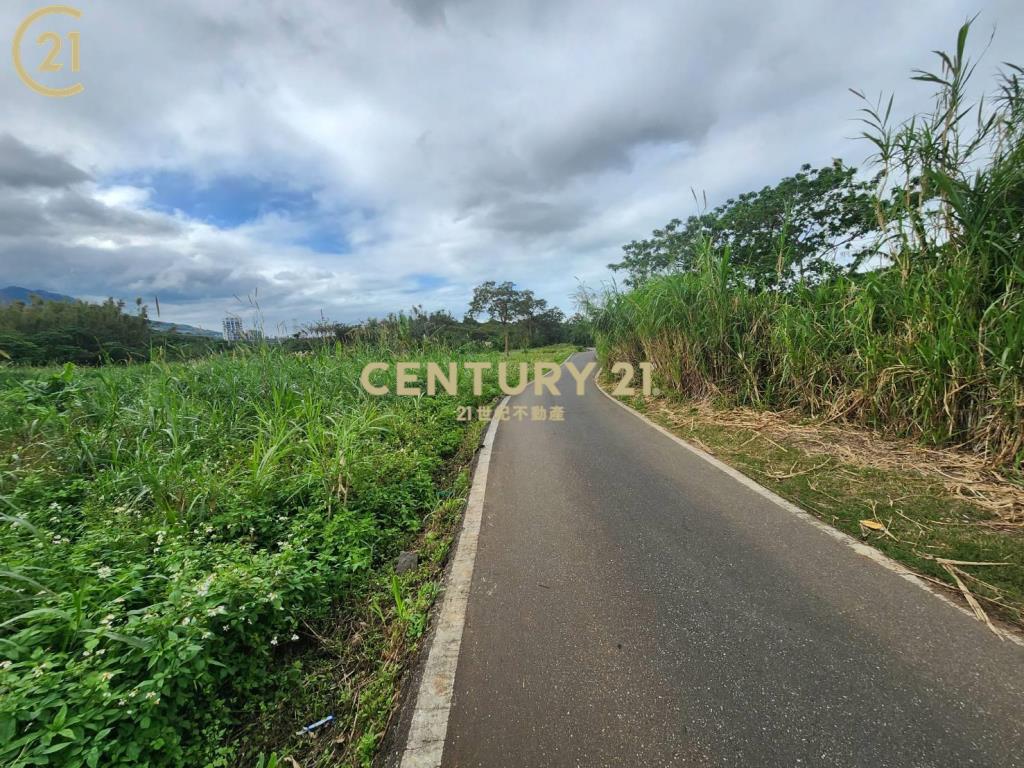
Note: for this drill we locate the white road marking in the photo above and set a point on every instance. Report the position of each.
(425, 742)
(424, 745)
(857, 546)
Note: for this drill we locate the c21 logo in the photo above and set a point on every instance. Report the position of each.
(52, 62)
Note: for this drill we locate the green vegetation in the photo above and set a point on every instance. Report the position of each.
(795, 230)
(766, 302)
(49, 331)
(197, 557)
(42, 332)
(46, 332)
(514, 317)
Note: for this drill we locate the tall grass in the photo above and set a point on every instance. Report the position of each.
(929, 345)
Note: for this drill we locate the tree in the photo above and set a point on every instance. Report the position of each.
(809, 226)
(502, 303)
(43, 332)
(534, 312)
(579, 329)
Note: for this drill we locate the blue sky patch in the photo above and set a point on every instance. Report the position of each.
(226, 201)
(325, 239)
(423, 281)
(234, 200)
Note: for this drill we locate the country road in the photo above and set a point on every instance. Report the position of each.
(633, 605)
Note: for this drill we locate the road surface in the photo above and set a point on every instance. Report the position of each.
(633, 605)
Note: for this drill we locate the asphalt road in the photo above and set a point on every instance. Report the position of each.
(633, 605)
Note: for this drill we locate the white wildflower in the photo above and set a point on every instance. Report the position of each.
(104, 572)
(204, 586)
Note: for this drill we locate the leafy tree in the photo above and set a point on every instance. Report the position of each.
(545, 326)
(579, 329)
(439, 325)
(42, 332)
(808, 227)
(504, 304)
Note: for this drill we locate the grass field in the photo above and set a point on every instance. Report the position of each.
(197, 558)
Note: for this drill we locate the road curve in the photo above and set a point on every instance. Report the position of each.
(633, 605)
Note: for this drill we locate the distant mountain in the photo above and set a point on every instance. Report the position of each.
(184, 330)
(14, 293)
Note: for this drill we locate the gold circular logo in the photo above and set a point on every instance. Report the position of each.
(51, 62)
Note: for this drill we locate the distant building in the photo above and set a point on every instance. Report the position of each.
(233, 330)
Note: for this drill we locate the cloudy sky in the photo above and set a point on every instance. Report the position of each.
(356, 157)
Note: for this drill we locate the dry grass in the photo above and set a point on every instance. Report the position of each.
(964, 475)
